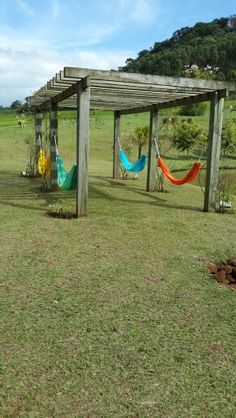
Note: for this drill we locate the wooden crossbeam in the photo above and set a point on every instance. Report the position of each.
(65, 94)
(73, 72)
(127, 92)
(173, 103)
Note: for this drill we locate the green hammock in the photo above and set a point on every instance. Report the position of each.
(65, 181)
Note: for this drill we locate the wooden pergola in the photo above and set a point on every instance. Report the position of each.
(126, 93)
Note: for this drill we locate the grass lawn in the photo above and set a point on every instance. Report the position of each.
(113, 315)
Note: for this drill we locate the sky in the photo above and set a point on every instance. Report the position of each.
(39, 37)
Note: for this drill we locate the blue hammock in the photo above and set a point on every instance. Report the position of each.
(133, 167)
(65, 181)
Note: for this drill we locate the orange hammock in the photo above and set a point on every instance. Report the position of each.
(190, 176)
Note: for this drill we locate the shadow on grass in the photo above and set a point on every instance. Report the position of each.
(120, 183)
(153, 199)
(14, 189)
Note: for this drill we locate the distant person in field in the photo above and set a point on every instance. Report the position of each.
(21, 120)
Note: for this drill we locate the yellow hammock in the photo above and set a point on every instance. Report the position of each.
(44, 164)
(190, 176)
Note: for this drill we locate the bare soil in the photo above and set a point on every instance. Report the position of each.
(224, 272)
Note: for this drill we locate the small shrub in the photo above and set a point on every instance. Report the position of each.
(186, 133)
(224, 193)
(197, 109)
(228, 139)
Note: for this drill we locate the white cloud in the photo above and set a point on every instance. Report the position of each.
(25, 69)
(65, 33)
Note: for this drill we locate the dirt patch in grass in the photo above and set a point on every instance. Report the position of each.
(224, 272)
(62, 215)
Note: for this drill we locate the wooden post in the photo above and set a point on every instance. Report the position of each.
(213, 153)
(53, 137)
(83, 107)
(38, 139)
(152, 153)
(116, 147)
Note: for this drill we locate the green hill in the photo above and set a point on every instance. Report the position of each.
(205, 44)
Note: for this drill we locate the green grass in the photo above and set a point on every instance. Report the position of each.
(113, 315)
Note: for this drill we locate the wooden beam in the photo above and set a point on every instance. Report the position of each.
(173, 103)
(213, 153)
(38, 138)
(124, 104)
(53, 138)
(152, 152)
(57, 98)
(83, 107)
(126, 98)
(73, 72)
(116, 147)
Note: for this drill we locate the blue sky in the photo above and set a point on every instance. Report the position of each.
(39, 37)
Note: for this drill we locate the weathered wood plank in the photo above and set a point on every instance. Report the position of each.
(131, 86)
(55, 97)
(74, 72)
(125, 106)
(139, 96)
(152, 152)
(173, 103)
(213, 153)
(83, 107)
(116, 147)
(53, 138)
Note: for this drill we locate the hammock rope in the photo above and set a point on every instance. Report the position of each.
(135, 167)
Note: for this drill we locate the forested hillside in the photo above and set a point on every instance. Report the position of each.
(205, 44)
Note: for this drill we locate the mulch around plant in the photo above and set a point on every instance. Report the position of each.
(224, 272)
(62, 215)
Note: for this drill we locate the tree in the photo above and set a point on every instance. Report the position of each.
(140, 138)
(16, 104)
(194, 71)
(228, 141)
(185, 134)
(204, 44)
(197, 109)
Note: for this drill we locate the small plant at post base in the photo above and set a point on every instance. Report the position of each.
(159, 183)
(56, 207)
(31, 157)
(44, 184)
(60, 210)
(224, 193)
